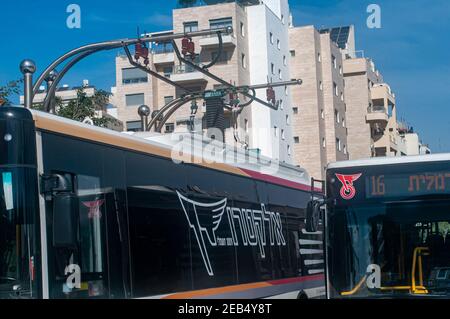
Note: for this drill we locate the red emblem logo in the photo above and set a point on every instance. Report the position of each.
(94, 208)
(348, 191)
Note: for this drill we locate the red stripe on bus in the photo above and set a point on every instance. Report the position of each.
(279, 181)
(296, 279)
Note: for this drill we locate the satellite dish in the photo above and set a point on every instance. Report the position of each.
(88, 120)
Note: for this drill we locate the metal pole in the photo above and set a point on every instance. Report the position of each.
(277, 84)
(51, 82)
(28, 67)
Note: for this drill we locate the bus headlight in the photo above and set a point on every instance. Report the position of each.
(7, 137)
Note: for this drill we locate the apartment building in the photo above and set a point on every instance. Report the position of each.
(344, 109)
(256, 53)
(319, 110)
(373, 127)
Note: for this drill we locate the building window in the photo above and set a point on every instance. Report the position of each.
(342, 96)
(319, 57)
(292, 52)
(280, 76)
(345, 149)
(281, 104)
(282, 134)
(167, 70)
(223, 57)
(286, 90)
(288, 120)
(295, 110)
(321, 85)
(324, 143)
(271, 37)
(284, 60)
(243, 61)
(190, 26)
(168, 99)
(282, 18)
(220, 23)
(336, 91)
(242, 29)
(322, 114)
(289, 150)
(343, 122)
(272, 68)
(134, 75)
(340, 69)
(170, 127)
(296, 140)
(134, 126)
(336, 116)
(134, 99)
(275, 131)
(246, 125)
(278, 44)
(333, 61)
(338, 144)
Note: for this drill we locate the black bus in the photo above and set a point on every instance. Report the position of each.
(86, 212)
(388, 227)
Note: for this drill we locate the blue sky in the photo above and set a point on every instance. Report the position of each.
(411, 49)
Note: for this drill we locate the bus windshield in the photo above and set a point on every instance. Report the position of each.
(389, 248)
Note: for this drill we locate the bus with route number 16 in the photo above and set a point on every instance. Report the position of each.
(387, 227)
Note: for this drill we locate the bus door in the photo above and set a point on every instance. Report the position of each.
(90, 240)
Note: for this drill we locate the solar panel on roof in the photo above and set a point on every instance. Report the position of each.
(339, 35)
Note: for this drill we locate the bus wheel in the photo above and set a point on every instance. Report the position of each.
(302, 295)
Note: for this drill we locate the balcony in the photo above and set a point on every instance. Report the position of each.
(377, 114)
(163, 54)
(187, 74)
(212, 41)
(382, 91)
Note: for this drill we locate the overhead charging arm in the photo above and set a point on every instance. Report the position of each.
(151, 72)
(52, 89)
(89, 49)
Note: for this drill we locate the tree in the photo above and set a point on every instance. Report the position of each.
(86, 107)
(12, 87)
(83, 107)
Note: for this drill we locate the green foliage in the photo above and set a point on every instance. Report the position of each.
(12, 87)
(84, 106)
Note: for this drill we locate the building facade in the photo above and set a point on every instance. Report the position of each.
(256, 53)
(319, 111)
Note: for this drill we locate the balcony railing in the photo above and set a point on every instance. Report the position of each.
(182, 69)
(162, 49)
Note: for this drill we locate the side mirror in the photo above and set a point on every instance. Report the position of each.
(65, 220)
(313, 216)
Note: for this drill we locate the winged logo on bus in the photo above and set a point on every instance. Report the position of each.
(204, 219)
(348, 190)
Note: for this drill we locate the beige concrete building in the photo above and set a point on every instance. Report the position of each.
(344, 109)
(373, 128)
(319, 111)
(256, 52)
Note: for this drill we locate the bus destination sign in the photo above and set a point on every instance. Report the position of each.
(398, 185)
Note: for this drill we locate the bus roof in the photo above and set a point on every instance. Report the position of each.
(391, 160)
(286, 175)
